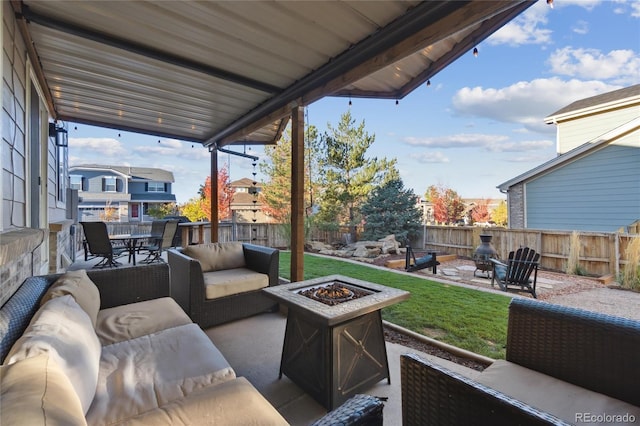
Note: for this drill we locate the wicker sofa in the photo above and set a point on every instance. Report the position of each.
(221, 282)
(563, 366)
(109, 347)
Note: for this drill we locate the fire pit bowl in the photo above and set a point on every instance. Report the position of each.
(333, 293)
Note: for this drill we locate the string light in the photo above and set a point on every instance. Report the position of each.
(119, 135)
(550, 3)
(475, 52)
(428, 83)
(350, 103)
(397, 102)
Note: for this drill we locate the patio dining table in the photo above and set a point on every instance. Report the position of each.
(130, 241)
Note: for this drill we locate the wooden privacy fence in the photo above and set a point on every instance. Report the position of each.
(600, 253)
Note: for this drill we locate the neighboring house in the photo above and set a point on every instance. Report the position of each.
(245, 206)
(119, 193)
(594, 183)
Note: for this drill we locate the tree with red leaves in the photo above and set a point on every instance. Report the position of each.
(447, 204)
(480, 212)
(225, 195)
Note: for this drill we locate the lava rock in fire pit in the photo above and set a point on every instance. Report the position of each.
(333, 294)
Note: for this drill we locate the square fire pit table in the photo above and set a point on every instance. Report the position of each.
(334, 351)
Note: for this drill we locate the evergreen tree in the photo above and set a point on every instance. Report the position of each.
(391, 209)
(275, 194)
(347, 176)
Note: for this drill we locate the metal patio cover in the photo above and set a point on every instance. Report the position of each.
(224, 72)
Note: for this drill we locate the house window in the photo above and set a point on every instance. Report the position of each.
(134, 210)
(75, 182)
(155, 187)
(110, 184)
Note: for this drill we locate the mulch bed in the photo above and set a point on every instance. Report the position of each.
(408, 341)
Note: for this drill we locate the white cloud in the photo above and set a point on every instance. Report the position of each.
(620, 66)
(105, 147)
(581, 27)
(527, 28)
(486, 142)
(430, 157)
(525, 103)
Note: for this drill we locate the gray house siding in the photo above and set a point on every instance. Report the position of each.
(569, 198)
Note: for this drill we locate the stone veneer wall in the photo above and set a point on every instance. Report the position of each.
(20, 258)
(516, 206)
(60, 256)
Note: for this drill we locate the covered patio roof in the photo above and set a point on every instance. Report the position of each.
(225, 72)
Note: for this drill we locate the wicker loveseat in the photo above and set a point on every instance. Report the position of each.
(563, 366)
(110, 347)
(221, 282)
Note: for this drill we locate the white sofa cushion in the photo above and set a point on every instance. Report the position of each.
(233, 281)
(232, 403)
(138, 319)
(79, 285)
(217, 256)
(564, 400)
(63, 329)
(150, 371)
(35, 391)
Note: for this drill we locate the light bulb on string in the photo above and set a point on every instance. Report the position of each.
(550, 3)
(475, 52)
(397, 102)
(428, 83)
(350, 103)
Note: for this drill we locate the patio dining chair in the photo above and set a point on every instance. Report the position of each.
(516, 273)
(158, 243)
(98, 245)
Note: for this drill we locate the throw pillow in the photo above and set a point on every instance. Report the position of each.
(62, 329)
(36, 392)
(217, 256)
(79, 285)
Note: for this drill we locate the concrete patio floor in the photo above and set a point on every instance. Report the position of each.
(253, 347)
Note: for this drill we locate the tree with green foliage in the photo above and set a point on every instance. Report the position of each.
(159, 211)
(347, 175)
(391, 209)
(499, 214)
(275, 194)
(447, 204)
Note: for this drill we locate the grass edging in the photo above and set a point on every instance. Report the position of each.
(462, 353)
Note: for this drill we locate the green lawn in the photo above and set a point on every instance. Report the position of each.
(469, 319)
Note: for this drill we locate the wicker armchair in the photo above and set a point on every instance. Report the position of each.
(592, 351)
(188, 287)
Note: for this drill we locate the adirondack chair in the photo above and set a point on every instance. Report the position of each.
(427, 261)
(516, 273)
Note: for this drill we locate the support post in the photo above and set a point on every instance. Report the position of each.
(297, 194)
(214, 196)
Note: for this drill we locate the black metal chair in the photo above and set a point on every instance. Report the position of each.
(516, 273)
(97, 244)
(157, 244)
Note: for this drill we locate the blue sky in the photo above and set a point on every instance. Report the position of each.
(479, 123)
